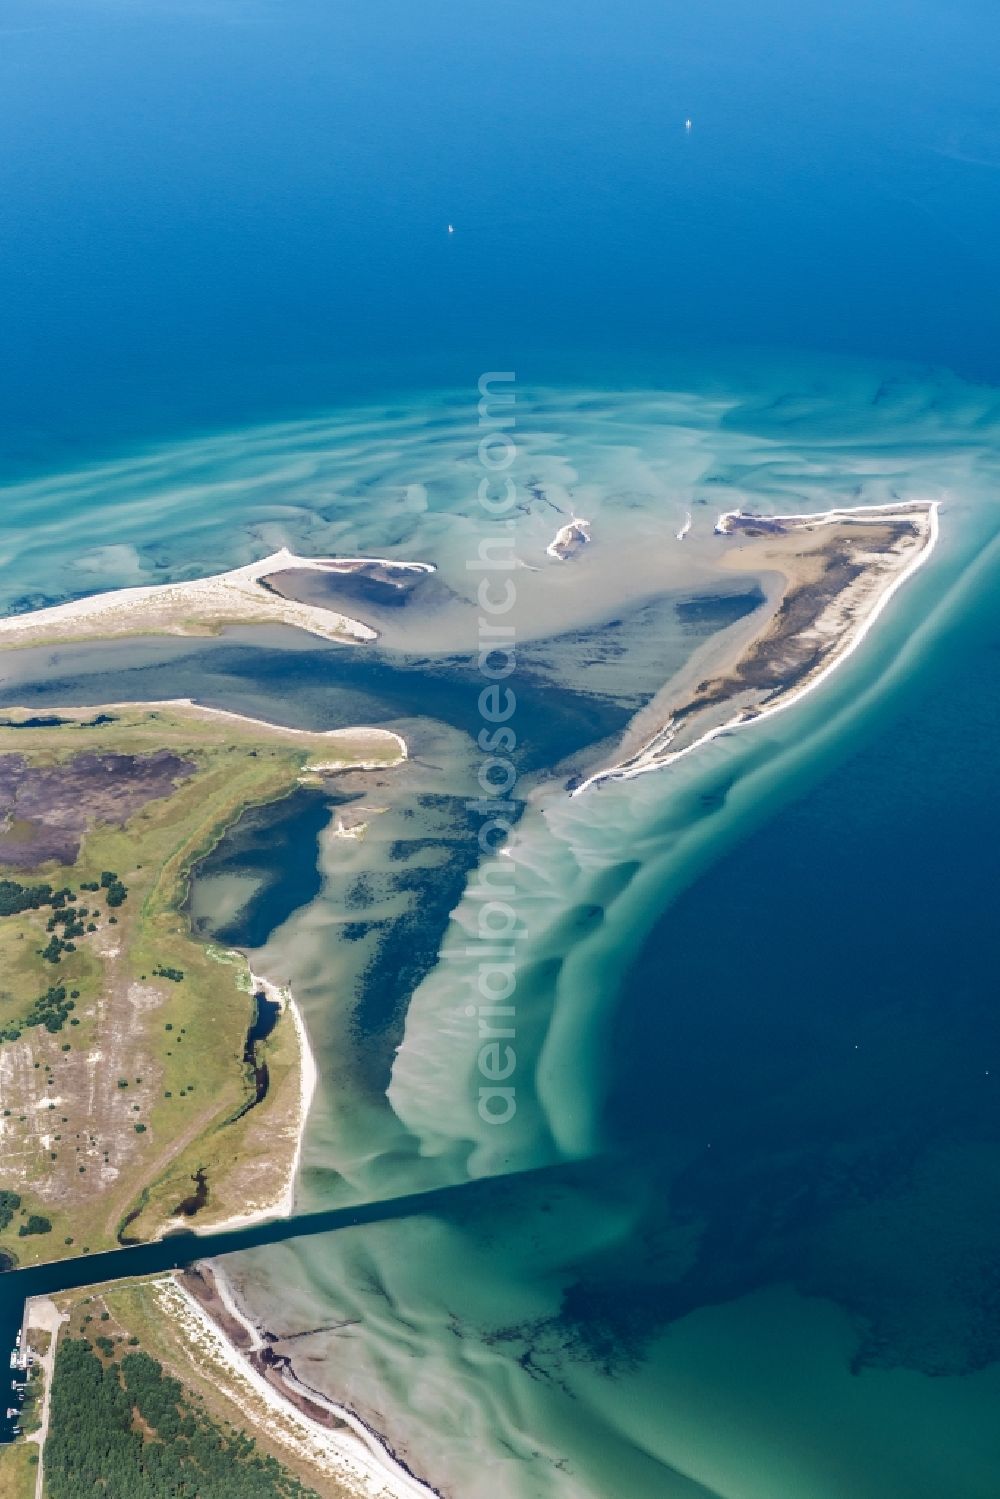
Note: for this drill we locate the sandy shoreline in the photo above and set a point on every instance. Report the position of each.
(227, 1348)
(368, 738)
(327, 1435)
(262, 1195)
(367, 735)
(198, 607)
(282, 1204)
(854, 612)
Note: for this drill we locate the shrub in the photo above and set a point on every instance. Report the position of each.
(15, 897)
(9, 1203)
(35, 1224)
(51, 1009)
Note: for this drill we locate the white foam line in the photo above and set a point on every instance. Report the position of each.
(345, 564)
(620, 773)
(722, 524)
(822, 517)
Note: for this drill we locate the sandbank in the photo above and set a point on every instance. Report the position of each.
(836, 571)
(199, 607)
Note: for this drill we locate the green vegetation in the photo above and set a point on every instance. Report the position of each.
(117, 892)
(35, 1224)
(9, 1204)
(128, 1430)
(131, 883)
(52, 1009)
(74, 921)
(18, 1470)
(32, 1402)
(15, 897)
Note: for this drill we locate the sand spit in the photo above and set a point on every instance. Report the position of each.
(365, 748)
(202, 606)
(370, 740)
(328, 1436)
(359, 564)
(281, 1204)
(840, 568)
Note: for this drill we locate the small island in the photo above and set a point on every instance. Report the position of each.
(828, 577)
(569, 540)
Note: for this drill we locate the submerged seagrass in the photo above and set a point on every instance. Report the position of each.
(686, 1092)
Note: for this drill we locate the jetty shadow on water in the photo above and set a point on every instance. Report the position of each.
(178, 1250)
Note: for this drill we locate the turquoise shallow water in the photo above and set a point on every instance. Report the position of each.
(776, 1274)
(754, 1028)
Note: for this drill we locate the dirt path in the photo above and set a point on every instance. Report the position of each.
(43, 1313)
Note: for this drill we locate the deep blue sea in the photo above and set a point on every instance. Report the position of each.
(759, 1025)
(217, 211)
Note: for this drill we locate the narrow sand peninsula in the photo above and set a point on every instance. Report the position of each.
(328, 1436)
(361, 748)
(200, 607)
(837, 571)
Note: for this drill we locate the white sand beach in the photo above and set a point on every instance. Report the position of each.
(346, 1451)
(280, 1203)
(361, 748)
(836, 628)
(201, 606)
